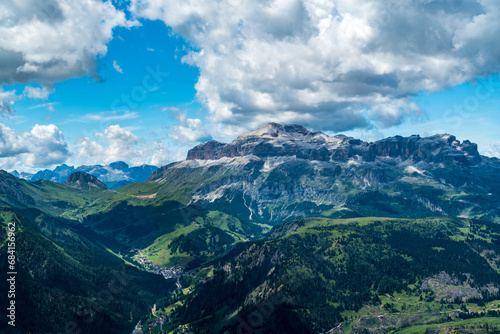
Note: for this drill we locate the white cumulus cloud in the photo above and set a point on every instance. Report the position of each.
(43, 146)
(48, 146)
(331, 64)
(119, 144)
(189, 130)
(36, 93)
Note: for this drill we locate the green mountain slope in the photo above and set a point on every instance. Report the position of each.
(129, 218)
(314, 275)
(208, 235)
(53, 198)
(67, 281)
(326, 266)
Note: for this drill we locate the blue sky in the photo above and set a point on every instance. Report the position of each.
(84, 106)
(143, 81)
(468, 111)
(136, 52)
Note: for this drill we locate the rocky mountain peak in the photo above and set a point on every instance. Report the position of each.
(274, 130)
(63, 167)
(119, 165)
(276, 140)
(437, 149)
(114, 175)
(85, 182)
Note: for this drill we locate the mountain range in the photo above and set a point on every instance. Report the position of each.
(114, 175)
(282, 172)
(281, 230)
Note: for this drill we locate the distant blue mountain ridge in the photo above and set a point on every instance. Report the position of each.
(114, 175)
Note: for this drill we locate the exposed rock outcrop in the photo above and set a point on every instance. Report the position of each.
(85, 182)
(275, 140)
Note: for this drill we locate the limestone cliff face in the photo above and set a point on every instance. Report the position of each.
(280, 172)
(275, 140)
(205, 151)
(439, 148)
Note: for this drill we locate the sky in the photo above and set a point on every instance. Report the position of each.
(142, 81)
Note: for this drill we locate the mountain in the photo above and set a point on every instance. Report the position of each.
(56, 199)
(275, 140)
(114, 175)
(84, 182)
(360, 275)
(278, 173)
(281, 230)
(67, 280)
(72, 277)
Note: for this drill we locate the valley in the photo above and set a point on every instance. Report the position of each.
(281, 230)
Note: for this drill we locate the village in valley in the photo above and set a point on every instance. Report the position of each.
(175, 272)
(171, 272)
(160, 320)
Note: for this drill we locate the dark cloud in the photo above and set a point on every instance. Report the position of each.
(49, 41)
(345, 63)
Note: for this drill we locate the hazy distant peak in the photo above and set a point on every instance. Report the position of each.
(114, 175)
(119, 165)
